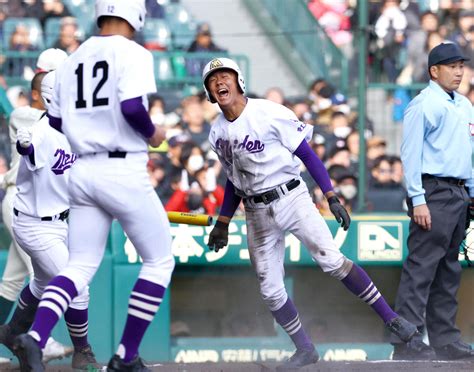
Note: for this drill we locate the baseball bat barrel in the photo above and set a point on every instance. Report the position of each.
(190, 218)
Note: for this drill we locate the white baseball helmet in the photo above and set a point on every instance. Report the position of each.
(50, 59)
(219, 64)
(47, 87)
(133, 11)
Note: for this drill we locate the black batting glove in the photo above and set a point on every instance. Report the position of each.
(219, 236)
(339, 212)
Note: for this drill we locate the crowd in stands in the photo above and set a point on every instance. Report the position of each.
(186, 173)
(401, 33)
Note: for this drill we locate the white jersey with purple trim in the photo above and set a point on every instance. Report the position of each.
(43, 185)
(250, 147)
(90, 85)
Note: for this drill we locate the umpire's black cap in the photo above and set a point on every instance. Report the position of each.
(445, 53)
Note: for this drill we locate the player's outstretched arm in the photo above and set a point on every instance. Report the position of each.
(219, 236)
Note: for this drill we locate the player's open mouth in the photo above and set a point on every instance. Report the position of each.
(222, 93)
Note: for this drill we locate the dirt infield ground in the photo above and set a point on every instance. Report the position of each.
(395, 366)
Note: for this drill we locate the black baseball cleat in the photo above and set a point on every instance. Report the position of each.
(6, 337)
(298, 360)
(136, 365)
(454, 351)
(29, 353)
(402, 328)
(413, 350)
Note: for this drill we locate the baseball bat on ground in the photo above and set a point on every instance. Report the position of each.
(190, 218)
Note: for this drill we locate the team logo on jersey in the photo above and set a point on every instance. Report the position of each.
(64, 161)
(226, 148)
(301, 127)
(215, 63)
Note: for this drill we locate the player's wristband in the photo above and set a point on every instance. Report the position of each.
(221, 225)
(333, 199)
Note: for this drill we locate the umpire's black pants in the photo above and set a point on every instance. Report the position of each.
(432, 273)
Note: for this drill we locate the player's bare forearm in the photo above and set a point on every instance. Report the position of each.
(224, 219)
(329, 194)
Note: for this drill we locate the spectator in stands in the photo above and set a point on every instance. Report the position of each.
(463, 34)
(275, 94)
(419, 43)
(397, 170)
(156, 171)
(352, 143)
(69, 35)
(339, 156)
(202, 43)
(154, 9)
(334, 18)
(376, 147)
(194, 123)
(43, 10)
(302, 110)
(384, 195)
(18, 96)
(390, 30)
(338, 130)
(175, 146)
(20, 41)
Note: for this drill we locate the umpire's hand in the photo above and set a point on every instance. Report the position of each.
(339, 212)
(219, 236)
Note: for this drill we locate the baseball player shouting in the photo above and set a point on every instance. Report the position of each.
(99, 102)
(41, 207)
(260, 145)
(18, 265)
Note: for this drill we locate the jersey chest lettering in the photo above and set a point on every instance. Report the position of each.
(64, 161)
(226, 147)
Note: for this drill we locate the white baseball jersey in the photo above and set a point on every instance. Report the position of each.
(250, 147)
(43, 186)
(90, 85)
(24, 116)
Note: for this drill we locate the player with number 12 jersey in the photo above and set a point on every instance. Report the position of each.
(103, 72)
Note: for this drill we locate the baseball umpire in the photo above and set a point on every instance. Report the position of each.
(99, 103)
(261, 145)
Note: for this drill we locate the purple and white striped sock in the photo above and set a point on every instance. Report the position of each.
(77, 322)
(144, 302)
(24, 312)
(288, 318)
(55, 300)
(359, 283)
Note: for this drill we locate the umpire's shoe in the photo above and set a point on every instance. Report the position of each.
(416, 349)
(454, 351)
(29, 353)
(136, 365)
(402, 328)
(84, 360)
(299, 359)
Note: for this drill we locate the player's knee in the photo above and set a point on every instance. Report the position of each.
(11, 289)
(158, 271)
(276, 299)
(343, 270)
(81, 301)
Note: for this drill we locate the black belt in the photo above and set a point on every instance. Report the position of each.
(62, 216)
(117, 154)
(454, 181)
(271, 195)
